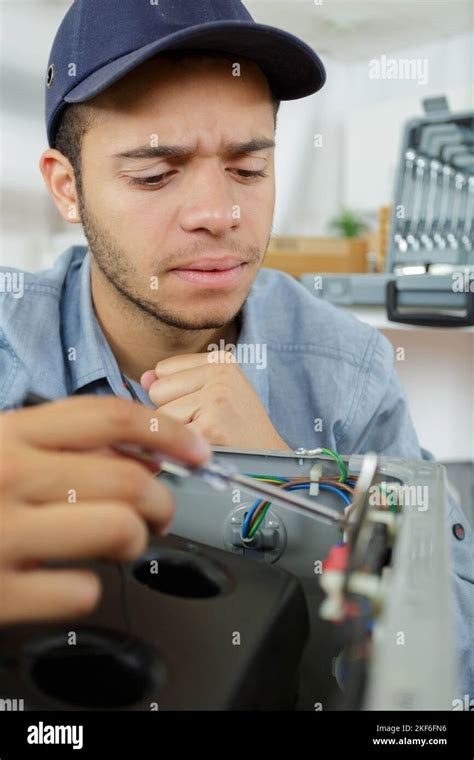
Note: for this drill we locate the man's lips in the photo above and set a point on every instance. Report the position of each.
(210, 264)
(212, 272)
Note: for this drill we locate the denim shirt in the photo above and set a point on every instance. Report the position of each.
(323, 377)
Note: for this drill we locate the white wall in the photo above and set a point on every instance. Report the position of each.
(362, 122)
(437, 373)
(310, 179)
(378, 109)
(30, 223)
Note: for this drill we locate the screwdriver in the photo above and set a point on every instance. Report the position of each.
(219, 477)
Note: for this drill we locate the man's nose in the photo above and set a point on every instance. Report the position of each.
(208, 202)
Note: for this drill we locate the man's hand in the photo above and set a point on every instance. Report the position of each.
(211, 395)
(66, 494)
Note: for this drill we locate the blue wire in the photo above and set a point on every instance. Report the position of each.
(334, 489)
(323, 487)
(248, 517)
(251, 512)
(298, 487)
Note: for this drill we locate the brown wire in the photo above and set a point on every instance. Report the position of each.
(299, 481)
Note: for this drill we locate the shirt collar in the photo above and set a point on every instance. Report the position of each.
(86, 347)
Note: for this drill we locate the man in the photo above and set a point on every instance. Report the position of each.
(162, 146)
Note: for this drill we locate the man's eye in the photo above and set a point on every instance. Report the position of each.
(149, 181)
(158, 179)
(246, 174)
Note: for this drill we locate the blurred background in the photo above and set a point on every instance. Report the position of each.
(337, 156)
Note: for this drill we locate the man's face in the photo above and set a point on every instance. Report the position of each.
(178, 180)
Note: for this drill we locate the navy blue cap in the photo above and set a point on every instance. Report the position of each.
(99, 41)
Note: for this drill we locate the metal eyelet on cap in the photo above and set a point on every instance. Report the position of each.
(50, 76)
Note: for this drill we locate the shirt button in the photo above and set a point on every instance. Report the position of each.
(458, 531)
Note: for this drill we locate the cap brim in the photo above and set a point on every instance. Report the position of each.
(293, 69)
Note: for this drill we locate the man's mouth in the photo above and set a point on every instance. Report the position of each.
(217, 272)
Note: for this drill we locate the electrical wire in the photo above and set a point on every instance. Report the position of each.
(342, 487)
(338, 459)
(259, 510)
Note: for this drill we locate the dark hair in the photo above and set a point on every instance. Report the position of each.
(78, 118)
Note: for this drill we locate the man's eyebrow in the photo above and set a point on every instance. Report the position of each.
(252, 146)
(179, 151)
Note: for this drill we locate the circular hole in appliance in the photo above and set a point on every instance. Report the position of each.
(178, 573)
(101, 671)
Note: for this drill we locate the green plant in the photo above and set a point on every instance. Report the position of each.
(347, 224)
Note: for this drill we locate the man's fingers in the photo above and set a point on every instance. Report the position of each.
(47, 595)
(184, 409)
(68, 532)
(147, 379)
(189, 361)
(177, 363)
(98, 477)
(94, 421)
(177, 386)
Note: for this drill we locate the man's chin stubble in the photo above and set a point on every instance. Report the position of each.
(156, 317)
(139, 307)
(109, 264)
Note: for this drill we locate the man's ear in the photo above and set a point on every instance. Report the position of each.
(59, 179)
